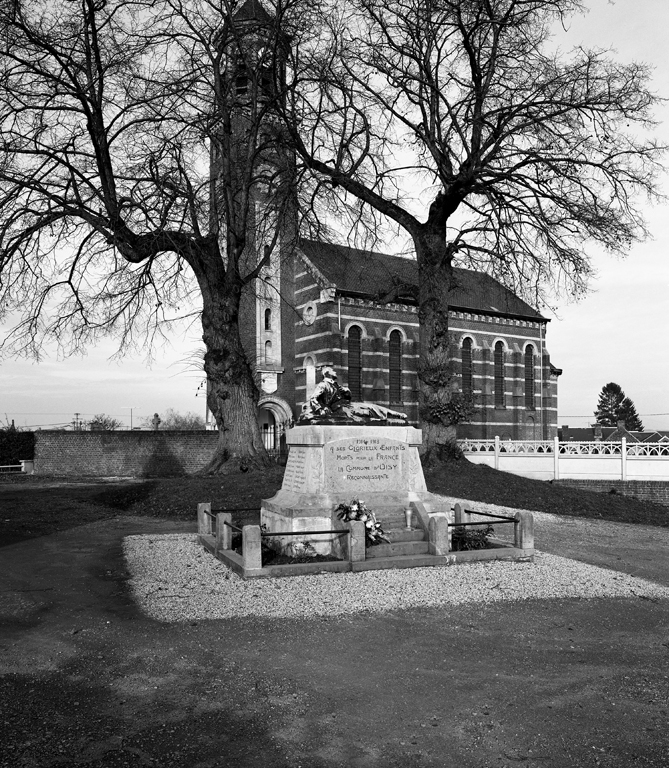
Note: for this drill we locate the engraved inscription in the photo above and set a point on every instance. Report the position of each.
(294, 478)
(362, 464)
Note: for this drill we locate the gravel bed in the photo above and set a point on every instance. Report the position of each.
(173, 579)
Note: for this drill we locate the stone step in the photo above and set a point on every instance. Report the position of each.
(399, 549)
(391, 517)
(402, 534)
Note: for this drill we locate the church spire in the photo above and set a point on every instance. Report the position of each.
(252, 10)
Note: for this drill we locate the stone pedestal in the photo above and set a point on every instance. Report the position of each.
(328, 465)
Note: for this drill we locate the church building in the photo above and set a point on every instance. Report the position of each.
(329, 314)
(319, 305)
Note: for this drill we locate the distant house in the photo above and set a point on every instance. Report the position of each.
(596, 432)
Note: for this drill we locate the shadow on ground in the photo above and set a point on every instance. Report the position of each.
(87, 680)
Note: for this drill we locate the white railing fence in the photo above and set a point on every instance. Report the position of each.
(553, 460)
(28, 467)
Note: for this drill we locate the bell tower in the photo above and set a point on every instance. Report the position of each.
(252, 165)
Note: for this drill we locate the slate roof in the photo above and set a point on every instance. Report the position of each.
(611, 434)
(368, 274)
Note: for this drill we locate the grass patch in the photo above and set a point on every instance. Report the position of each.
(478, 482)
(33, 506)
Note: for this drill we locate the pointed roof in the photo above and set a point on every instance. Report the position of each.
(252, 10)
(369, 274)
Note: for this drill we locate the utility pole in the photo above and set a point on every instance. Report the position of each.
(130, 408)
(203, 391)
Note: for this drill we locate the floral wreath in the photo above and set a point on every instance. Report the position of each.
(356, 510)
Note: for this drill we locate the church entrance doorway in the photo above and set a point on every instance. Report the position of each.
(274, 417)
(268, 429)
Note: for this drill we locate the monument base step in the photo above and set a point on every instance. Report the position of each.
(397, 549)
(391, 517)
(400, 561)
(403, 534)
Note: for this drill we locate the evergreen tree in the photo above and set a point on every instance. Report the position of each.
(629, 414)
(614, 405)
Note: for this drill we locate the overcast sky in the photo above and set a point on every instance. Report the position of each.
(618, 333)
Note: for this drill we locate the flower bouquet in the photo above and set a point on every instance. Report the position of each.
(356, 510)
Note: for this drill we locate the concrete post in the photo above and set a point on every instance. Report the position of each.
(356, 543)
(497, 451)
(438, 539)
(556, 458)
(223, 531)
(251, 548)
(421, 515)
(204, 519)
(460, 514)
(523, 530)
(623, 458)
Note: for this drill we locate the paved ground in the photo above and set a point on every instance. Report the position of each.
(88, 681)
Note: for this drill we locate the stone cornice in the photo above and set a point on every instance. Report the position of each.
(497, 318)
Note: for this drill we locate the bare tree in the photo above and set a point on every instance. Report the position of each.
(110, 221)
(174, 420)
(102, 422)
(521, 154)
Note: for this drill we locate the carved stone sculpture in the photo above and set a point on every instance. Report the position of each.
(330, 403)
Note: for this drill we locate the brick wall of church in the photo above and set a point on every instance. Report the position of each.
(324, 342)
(511, 419)
(288, 316)
(282, 323)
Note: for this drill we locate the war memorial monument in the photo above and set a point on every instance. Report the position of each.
(343, 454)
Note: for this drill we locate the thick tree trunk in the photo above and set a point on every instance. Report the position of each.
(232, 393)
(435, 276)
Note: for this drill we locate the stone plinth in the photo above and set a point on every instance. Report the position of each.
(328, 465)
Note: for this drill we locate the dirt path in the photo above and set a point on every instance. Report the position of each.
(88, 681)
(634, 549)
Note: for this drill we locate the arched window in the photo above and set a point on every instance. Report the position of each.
(395, 366)
(268, 319)
(268, 352)
(265, 66)
(499, 375)
(241, 76)
(355, 362)
(467, 374)
(529, 376)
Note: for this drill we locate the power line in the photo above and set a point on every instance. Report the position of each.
(590, 415)
(56, 413)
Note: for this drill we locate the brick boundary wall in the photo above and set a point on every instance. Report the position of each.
(123, 453)
(656, 491)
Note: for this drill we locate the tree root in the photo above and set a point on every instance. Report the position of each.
(222, 463)
(440, 454)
